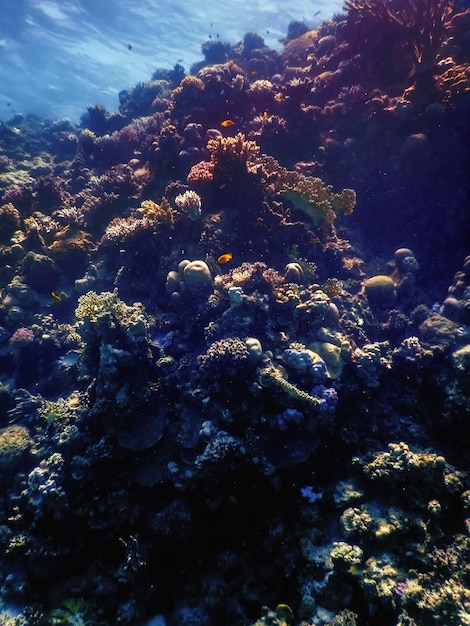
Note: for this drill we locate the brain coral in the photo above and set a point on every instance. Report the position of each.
(197, 277)
(380, 290)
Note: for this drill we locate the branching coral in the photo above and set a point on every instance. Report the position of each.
(230, 354)
(189, 203)
(424, 473)
(153, 212)
(417, 27)
(93, 307)
(271, 376)
(153, 218)
(231, 168)
(442, 594)
(222, 75)
(62, 410)
(9, 222)
(121, 229)
(186, 94)
(454, 82)
(230, 155)
(116, 355)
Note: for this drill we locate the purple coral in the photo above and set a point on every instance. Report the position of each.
(328, 398)
(288, 417)
(400, 588)
(306, 361)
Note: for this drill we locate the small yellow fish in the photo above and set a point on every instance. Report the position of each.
(227, 123)
(225, 258)
(56, 297)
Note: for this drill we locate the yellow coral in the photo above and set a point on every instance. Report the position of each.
(226, 150)
(455, 81)
(60, 410)
(270, 376)
(333, 287)
(14, 442)
(153, 212)
(307, 193)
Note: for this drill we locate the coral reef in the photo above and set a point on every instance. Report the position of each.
(226, 381)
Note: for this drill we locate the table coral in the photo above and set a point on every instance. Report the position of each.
(308, 194)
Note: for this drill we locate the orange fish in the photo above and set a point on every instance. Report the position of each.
(56, 297)
(227, 123)
(254, 73)
(99, 107)
(225, 258)
(265, 115)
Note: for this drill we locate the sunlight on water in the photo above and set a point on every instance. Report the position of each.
(58, 57)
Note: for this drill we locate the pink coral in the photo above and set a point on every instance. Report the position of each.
(201, 173)
(21, 338)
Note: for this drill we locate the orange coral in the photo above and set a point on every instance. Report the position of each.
(230, 157)
(229, 152)
(455, 82)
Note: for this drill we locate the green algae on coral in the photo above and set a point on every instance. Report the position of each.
(61, 410)
(308, 194)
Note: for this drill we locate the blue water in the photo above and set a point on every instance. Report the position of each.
(58, 56)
